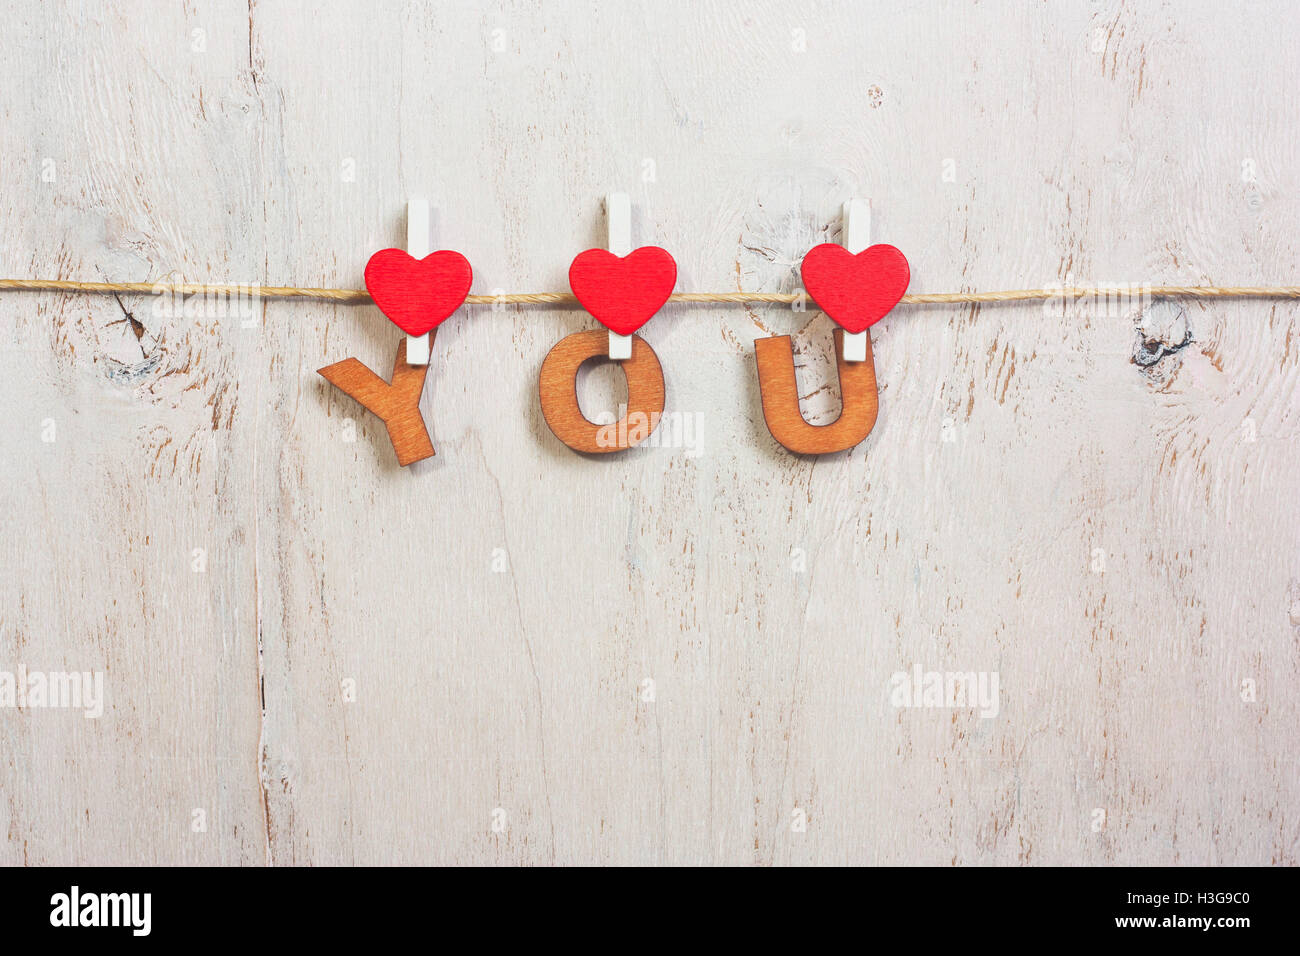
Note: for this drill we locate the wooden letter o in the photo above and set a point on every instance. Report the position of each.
(559, 394)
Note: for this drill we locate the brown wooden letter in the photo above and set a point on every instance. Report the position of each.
(398, 404)
(776, 383)
(559, 394)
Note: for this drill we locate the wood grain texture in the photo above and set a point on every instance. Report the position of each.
(859, 401)
(396, 402)
(557, 394)
(660, 656)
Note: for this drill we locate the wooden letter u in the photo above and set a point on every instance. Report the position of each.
(776, 383)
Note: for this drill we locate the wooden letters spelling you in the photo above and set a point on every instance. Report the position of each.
(622, 293)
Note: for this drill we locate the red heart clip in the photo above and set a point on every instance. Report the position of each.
(418, 294)
(856, 291)
(623, 293)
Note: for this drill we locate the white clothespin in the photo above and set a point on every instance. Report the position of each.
(418, 241)
(855, 231)
(618, 220)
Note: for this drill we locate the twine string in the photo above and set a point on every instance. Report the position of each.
(361, 296)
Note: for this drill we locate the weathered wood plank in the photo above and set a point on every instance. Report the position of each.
(658, 658)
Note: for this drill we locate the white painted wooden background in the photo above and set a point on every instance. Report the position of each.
(1117, 542)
